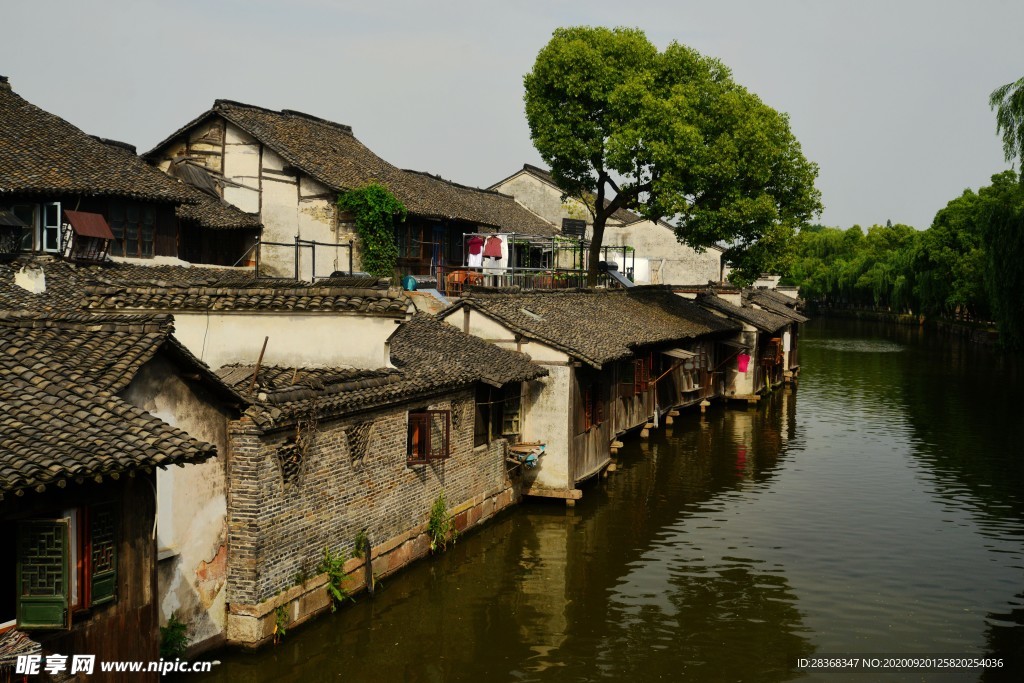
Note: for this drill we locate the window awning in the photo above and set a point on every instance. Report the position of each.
(679, 353)
(8, 219)
(735, 344)
(89, 224)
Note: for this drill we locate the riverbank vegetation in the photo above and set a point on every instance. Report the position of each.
(969, 265)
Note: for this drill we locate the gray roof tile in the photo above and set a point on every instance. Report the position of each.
(766, 321)
(599, 326)
(60, 417)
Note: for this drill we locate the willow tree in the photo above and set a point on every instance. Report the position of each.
(1008, 103)
(669, 135)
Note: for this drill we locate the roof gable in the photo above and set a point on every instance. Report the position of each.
(330, 153)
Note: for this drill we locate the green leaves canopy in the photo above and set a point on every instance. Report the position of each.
(668, 135)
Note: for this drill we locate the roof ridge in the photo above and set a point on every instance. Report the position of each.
(436, 176)
(116, 143)
(218, 103)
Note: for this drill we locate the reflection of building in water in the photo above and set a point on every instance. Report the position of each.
(753, 439)
(543, 583)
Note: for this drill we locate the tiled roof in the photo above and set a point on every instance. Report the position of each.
(779, 304)
(43, 154)
(105, 351)
(766, 321)
(425, 369)
(215, 213)
(424, 342)
(331, 154)
(254, 294)
(122, 286)
(331, 392)
(60, 418)
(64, 282)
(601, 325)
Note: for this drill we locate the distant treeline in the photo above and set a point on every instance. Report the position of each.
(968, 265)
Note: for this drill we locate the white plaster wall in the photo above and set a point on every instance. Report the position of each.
(242, 166)
(787, 340)
(543, 199)
(742, 383)
(546, 410)
(669, 262)
(767, 281)
(296, 340)
(191, 504)
(735, 298)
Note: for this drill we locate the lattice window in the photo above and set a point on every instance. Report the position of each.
(43, 573)
(103, 552)
(458, 413)
(289, 458)
(358, 440)
(428, 436)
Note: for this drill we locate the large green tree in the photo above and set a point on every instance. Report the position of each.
(669, 135)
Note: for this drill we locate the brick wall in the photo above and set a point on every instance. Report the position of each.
(278, 530)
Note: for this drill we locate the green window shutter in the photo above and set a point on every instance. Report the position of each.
(103, 552)
(43, 574)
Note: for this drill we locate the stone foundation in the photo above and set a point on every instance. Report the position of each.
(254, 625)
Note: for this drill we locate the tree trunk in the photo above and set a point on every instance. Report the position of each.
(596, 242)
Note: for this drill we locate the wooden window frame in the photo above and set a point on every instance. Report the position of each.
(512, 410)
(143, 234)
(420, 446)
(82, 586)
(593, 405)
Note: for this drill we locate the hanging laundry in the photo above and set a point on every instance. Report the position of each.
(493, 247)
(495, 257)
(475, 249)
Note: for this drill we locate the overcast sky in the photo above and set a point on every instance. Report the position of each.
(889, 97)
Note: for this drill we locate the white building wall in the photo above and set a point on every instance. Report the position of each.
(241, 164)
(544, 199)
(546, 404)
(191, 506)
(660, 258)
(295, 339)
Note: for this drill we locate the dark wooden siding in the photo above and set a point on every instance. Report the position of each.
(128, 627)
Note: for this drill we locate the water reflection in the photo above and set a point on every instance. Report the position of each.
(885, 515)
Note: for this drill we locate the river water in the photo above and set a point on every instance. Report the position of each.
(877, 508)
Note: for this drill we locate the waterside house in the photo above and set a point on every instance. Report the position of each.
(50, 171)
(616, 360)
(781, 303)
(78, 462)
(764, 355)
(290, 167)
(354, 460)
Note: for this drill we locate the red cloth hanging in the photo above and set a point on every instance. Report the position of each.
(493, 247)
(742, 361)
(476, 243)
